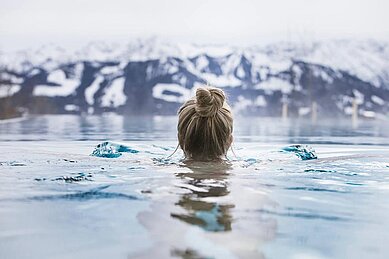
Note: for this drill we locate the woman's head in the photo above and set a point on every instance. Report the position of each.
(205, 125)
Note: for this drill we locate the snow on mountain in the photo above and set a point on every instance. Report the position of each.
(66, 86)
(163, 92)
(366, 60)
(114, 94)
(377, 100)
(151, 76)
(9, 90)
(92, 89)
(274, 84)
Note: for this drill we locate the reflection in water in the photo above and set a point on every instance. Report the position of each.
(210, 181)
(117, 127)
(212, 214)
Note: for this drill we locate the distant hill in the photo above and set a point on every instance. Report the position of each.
(153, 77)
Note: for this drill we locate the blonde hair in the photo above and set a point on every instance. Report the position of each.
(205, 125)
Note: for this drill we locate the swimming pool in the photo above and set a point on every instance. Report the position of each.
(57, 201)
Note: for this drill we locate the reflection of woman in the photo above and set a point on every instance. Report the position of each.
(209, 182)
(212, 214)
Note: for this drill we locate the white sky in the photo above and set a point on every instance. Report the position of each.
(29, 23)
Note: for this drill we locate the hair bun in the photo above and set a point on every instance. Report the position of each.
(209, 101)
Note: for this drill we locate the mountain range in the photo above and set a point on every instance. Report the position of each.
(154, 77)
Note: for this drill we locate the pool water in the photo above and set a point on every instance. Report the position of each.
(58, 201)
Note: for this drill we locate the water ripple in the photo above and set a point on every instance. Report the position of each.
(304, 215)
(314, 189)
(94, 194)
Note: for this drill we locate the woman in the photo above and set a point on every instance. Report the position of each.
(205, 126)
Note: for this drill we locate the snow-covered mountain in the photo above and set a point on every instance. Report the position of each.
(154, 77)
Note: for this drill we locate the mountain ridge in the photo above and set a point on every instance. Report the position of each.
(152, 77)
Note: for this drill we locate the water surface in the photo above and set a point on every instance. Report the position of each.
(57, 201)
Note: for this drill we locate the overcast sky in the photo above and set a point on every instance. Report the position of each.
(29, 23)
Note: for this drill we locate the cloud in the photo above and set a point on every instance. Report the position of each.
(24, 23)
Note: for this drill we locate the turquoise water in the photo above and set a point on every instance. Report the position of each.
(57, 201)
